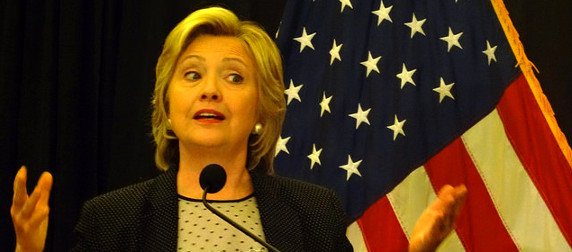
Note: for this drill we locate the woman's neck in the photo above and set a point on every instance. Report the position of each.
(191, 162)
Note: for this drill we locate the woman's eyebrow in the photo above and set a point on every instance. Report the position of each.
(192, 56)
(234, 59)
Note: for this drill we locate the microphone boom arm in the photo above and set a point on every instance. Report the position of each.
(234, 224)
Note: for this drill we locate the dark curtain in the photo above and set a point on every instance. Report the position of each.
(76, 79)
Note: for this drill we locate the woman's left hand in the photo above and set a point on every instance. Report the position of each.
(438, 220)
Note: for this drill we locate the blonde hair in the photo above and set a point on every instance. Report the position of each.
(271, 107)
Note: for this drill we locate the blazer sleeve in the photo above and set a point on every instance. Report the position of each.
(338, 228)
(110, 222)
(300, 216)
(86, 229)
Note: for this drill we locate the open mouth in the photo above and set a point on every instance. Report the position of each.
(208, 115)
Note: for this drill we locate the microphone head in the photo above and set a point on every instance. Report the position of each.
(212, 178)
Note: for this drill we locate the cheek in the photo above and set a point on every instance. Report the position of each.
(177, 102)
(253, 106)
(248, 108)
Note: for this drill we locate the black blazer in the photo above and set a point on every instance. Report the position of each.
(295, 216)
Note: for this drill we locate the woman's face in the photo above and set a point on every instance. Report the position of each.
(213, 94)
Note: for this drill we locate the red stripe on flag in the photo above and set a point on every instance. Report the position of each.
(381, 229)
(479, 226)
(539, 152)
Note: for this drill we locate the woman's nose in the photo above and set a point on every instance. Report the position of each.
(210, 96)
(211, 91)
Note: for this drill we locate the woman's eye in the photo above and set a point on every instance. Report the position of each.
(235, 78)
(192, 75)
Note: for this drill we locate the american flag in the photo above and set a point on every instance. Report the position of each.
(387, 101)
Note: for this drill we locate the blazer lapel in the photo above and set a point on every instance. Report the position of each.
(160, 220)
(281, 225)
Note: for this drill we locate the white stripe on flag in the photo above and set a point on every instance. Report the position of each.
(520, 206)
(355, 236)
(410, 198)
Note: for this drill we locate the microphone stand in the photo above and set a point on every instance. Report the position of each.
(234, 224)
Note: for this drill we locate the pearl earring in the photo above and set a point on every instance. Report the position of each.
(257, 129)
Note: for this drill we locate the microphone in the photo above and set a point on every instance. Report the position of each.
(212, 180)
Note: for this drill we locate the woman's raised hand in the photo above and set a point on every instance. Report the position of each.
(30, 212)
(438, 220)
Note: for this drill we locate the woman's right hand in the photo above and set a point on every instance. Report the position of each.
(30, 212)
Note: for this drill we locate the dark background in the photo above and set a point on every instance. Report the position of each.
(76, 79)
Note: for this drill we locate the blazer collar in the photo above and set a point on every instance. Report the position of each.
(280, 222)
(160, 217)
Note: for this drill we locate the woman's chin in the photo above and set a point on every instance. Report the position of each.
(207, 141)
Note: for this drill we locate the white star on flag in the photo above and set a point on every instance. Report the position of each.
(452, 39)
(490, 52)
(444, 90)
(305, 40)
(292, 92)
(345, 3)
(415, 25)
(277, 32)
(315, 156)
(325, 104)
(370, 63)
(383, 13)
(360, 116)
(335, 52)
(281, 145)
(397, 127)
(406, 76)
(351, 168)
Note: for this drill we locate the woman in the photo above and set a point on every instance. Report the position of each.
(218, 99)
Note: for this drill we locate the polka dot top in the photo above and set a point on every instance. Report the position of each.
(202, 230)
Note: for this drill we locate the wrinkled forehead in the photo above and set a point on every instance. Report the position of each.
(224, 48)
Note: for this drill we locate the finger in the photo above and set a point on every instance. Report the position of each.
(20, 192)
(461, 192)
(446, 193)
(444, 199)
(455, 197)
(31, 203)
(40, 214)
(45, 186)
(460, 197)
(449, 201)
